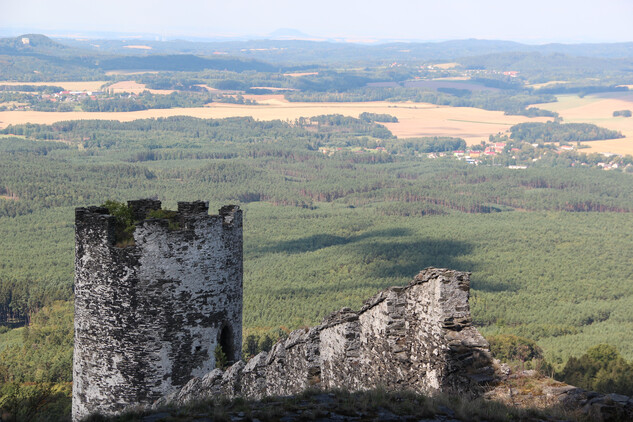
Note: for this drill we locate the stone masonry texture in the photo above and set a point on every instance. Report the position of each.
(419, 337)
(148, 316)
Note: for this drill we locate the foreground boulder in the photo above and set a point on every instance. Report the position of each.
(532, 390)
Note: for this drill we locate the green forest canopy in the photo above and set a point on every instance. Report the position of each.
(549, 246)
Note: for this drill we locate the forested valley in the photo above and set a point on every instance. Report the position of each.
(548, 246)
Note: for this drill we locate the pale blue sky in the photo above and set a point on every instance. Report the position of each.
(534, 21)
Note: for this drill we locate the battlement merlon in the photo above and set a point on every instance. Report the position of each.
(99, 220)
(94, 223)
(142, 207)
(231, 215)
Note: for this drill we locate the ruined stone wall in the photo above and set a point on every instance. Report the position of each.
(149, 316)
(419, 337)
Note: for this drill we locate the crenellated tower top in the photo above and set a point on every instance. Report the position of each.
(150, 310)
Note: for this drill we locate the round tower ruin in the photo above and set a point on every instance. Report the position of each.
(150, 312)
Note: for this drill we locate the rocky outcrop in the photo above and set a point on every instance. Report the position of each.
(419, 337)
(530, 389)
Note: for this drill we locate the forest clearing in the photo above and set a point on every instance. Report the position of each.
(135, 88)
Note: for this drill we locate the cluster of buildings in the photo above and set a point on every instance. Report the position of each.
(472, 156)
(72, 96)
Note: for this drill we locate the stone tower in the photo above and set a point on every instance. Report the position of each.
(148, 316)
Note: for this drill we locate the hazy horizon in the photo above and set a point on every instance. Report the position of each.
(538, 22)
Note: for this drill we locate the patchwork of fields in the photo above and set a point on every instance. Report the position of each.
(598, 109)
(415, 119)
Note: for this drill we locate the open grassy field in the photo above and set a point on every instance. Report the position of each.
(544, 84)
(298, 74)
(598, 109)
(415, 119)
(135, 88)
(138, 47)
(446, 65)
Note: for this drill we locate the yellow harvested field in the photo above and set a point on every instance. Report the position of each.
(598, 109)
(446, 65)
(138, 47)
(70, 86)
(209, 88)
(135, 88)
(415, 119)
(542, 85)
(298, 74)
(453, 78)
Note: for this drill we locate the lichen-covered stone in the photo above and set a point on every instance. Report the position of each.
(149, 316)
(419, 337)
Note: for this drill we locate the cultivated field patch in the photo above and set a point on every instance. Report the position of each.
(138, 47)
(446, 65)
(598, 109)
(414, 119)
(545, 84)
(133, 87)
(299, 74)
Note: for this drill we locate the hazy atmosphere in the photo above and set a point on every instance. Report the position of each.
(537, 21)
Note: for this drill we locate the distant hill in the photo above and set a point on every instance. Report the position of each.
(33, 55)
(183, 62)
(289, 33)
(30, 57)
(30, 44)
(293, 47)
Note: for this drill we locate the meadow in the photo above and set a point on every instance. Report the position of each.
(598, 109)
(135, 88)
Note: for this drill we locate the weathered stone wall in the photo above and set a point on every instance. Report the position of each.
(419, 337)
(149, 316)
